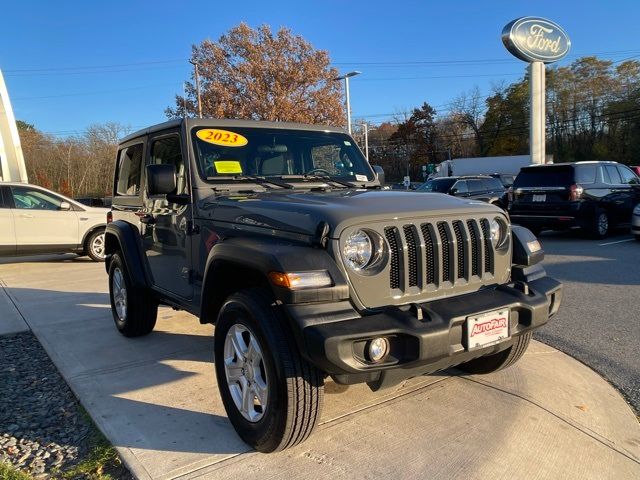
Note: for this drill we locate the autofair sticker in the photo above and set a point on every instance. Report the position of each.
(228, 166)
(224, 138)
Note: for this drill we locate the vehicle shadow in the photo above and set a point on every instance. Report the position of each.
(45, 258)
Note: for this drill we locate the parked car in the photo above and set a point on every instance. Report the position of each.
(401, 186)
(505, 179)
(479, 187)
(279, 234)
(594, 196)
(635, 222)
(36, 220)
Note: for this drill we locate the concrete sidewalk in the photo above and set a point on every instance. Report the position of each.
(157, 401)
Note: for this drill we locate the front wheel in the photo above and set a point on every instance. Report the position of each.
(272, 396)
(95, 246)
(500, 360)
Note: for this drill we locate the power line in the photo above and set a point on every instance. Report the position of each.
(97, 92)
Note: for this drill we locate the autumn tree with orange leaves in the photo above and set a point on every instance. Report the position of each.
(259, 75)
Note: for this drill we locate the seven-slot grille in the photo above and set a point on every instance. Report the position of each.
(435, 254)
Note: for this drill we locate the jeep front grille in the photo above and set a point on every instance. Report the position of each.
(433, 255)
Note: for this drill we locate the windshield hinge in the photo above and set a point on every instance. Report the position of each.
(321, 236)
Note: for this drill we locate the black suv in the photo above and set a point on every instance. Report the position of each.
(478, 187)
(594, 196)
(280, 235)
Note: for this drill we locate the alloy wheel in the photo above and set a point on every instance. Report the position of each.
(245, 372)
(603, 224)
(97, 245)
(119, 292)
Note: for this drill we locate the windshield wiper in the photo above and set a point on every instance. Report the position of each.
(258, 180)
(325, 178)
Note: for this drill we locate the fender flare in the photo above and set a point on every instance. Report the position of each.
(269, 255)
(123, 236)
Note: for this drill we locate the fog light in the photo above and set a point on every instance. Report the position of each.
(378, 349)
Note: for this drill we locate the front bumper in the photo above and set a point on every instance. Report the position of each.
(424, 338)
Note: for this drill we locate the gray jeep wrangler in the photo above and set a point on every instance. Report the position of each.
(281, 235)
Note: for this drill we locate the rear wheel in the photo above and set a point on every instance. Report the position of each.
(273, 396)
(599, 225)
(500, 360)
(134, 310)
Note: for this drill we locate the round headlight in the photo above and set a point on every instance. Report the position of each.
(498, 231)
(358, 250)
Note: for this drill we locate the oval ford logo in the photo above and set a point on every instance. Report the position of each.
(534, 39)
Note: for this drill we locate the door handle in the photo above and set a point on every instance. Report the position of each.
(26, 215)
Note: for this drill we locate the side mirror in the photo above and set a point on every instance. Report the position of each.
(453, 191)
(65, 206)
(161, 179)
(379, 171)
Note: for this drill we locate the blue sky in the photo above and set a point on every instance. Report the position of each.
(68, 64)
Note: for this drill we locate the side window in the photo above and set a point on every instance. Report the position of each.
(491, 184)
(586, 174)
(26, 198)
(167, 151)
(3, 204)
(614, 176)
(128, 170)
(628, 176)
(461, 185)
(476, 185)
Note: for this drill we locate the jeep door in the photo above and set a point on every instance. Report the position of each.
(7, 229)
(166, 225)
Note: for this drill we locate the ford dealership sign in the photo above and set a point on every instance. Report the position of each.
(534, 39)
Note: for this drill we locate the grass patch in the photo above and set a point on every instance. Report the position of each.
(101, 463)
(9, 472)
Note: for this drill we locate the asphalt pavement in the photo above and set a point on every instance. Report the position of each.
(599, 321)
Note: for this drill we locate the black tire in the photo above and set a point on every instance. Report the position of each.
(500, 360)
(295, 388)
(600, 225)
(93, 248)
(141, 308)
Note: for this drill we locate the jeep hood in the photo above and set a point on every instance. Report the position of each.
(301, 212)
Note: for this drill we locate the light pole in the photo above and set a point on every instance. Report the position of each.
(346, 77)
(365, 126)
(197, 74)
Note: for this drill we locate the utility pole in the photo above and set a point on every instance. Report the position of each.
(197, 75)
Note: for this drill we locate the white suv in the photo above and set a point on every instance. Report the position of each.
(36, 220)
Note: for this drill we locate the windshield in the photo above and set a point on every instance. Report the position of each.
(278, 152)
(441, 185)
